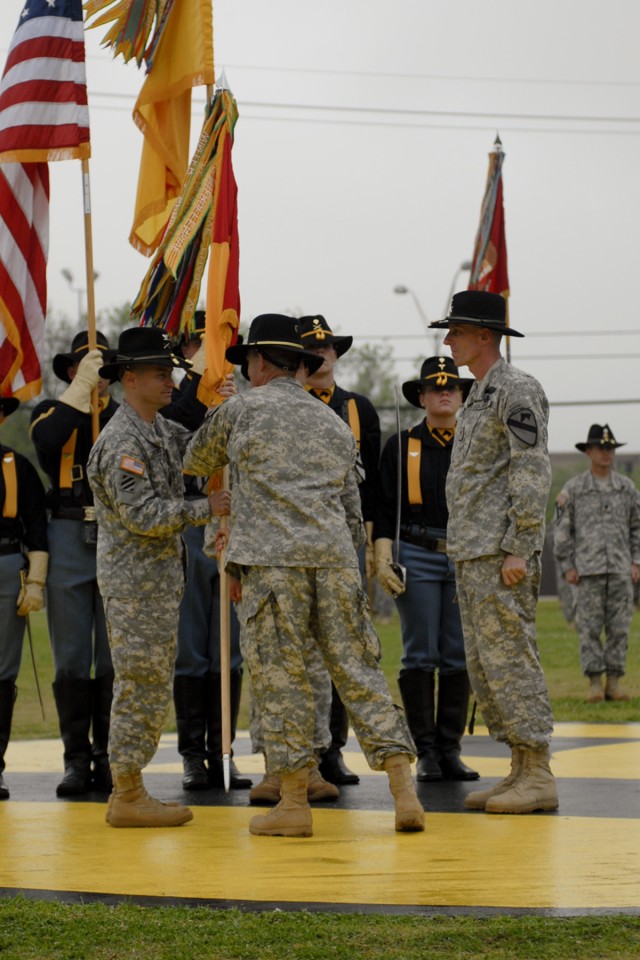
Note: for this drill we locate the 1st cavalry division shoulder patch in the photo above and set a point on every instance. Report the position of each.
(522, 424)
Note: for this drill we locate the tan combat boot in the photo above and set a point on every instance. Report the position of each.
(612, 690)
(131, 806)
(292, 816)
(267, 791)
(319, 788)
(596, 693)
(409, 812)
(477, 799)
(534, 789)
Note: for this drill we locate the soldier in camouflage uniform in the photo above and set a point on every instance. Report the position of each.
(597, 545)
(295, 519)
(135, 471)
(358, 411)
(497, 489)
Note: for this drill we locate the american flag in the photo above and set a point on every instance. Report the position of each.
(43, 91)
(24, 243)
(43, 116)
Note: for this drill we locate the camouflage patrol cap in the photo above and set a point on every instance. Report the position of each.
(599, 436)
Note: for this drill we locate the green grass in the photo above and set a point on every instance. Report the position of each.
(54, 931)
(97, 932)
(558, 651)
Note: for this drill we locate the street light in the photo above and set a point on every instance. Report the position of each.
(401, 288)
(465, 265)
(66, 273)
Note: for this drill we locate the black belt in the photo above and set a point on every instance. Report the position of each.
(421, 538)
(74, 513)
(9, 546)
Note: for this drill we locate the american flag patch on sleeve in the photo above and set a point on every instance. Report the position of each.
(132, 466)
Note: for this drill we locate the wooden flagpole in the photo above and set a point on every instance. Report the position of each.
(91, 302)
(225, 655)
(225, 626)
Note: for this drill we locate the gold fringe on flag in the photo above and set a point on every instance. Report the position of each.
(133, 23)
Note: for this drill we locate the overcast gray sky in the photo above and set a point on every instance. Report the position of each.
(361, 156)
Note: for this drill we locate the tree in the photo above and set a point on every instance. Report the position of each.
(367, 370)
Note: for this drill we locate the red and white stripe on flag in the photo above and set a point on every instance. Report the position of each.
(24, 243)
(43, 91)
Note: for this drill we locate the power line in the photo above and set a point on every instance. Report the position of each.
(525, 358)
(458, 114)
(398, 75)
(552, 403)
(545, 333)
(483, 127)
(391, 124)
(407, 112)
(590, 403)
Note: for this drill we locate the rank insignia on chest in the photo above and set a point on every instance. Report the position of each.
(129, 465)
(522, 424)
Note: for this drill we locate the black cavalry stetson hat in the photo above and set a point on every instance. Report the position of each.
(600, 436)
(79, 348)
(142, 345)
(438, 372)
(8, 405)
(277, 331)
(316, 332)
(479, 309)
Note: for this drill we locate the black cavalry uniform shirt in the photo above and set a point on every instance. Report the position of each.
(29, 526)
(369, 441)
(52, 423)
(434, 466)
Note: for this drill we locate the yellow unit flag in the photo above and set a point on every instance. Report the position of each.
(183, 59)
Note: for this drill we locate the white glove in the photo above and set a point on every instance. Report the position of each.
(78, 393)
(199, 360)
(387, 577)
(31, 596)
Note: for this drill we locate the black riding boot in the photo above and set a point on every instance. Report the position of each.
(102, 697)
(418, 697)
(214, 731)
(189, 697)
(74, 703)
(453, 701)
(332, 765)
(8, 694)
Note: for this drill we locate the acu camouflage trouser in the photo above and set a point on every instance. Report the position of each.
(605, 602)
(499, 626)
(285, 612)
(142, 635)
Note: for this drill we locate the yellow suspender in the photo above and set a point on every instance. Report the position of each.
(414, 453)
(66, 462)
(354, 419)
(10, 506)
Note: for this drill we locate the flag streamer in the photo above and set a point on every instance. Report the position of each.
(204, 216)
(137, 26)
